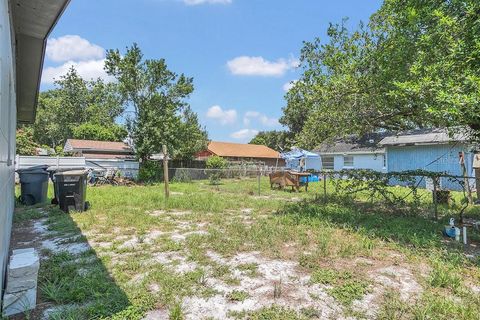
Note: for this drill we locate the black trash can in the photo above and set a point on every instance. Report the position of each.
(33, 185)
(71, 189)
(51, 172)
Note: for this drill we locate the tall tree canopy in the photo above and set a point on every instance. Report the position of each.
(415, 64)
(76, 108)
(161, 114)
(277, 140)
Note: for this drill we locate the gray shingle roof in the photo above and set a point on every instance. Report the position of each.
(353, 144)
(424, 136)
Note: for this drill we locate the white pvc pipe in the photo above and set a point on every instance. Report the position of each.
(464, 235)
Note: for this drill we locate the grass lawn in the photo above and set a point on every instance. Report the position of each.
(216, 252)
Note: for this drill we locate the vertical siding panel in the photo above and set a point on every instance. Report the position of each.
(436, 158)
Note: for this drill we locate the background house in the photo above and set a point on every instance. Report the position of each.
(431, 150)
(93, 149)
(353, 153)
(24, 28)
(242, 153)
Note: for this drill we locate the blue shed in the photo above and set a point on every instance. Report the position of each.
(431, 150)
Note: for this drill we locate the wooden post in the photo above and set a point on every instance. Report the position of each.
(477, 182)
(165, 172)
(465, 177)
(258, 178)
(325, 187)
(435, 202)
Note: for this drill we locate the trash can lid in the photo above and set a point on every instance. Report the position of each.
(55, 169)
(40, 169)
(72, 173)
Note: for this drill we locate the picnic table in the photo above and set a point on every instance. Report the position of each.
(292, 179)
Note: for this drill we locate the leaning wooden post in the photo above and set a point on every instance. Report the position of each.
(165, 172)
(465, 177)
(435, 208)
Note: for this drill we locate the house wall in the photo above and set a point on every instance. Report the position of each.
(360, 161)
(402, 158)
(7, 135)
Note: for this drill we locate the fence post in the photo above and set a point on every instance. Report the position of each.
(325, 187)
(435, 208)
(165, 172)
(465, 178)
(258, 178)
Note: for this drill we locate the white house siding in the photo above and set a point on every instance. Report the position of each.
(7, 134)
(360, 161)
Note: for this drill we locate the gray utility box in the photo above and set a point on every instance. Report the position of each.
(71, 189)
(33, 185)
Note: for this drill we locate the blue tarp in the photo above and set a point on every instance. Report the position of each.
(293, 160)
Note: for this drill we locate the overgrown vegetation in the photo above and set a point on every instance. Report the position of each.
(336, 244)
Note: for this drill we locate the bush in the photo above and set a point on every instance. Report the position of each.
(215, 162)
(150, 171)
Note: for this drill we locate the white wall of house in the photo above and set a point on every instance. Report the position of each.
(360, 161)
(7, 134)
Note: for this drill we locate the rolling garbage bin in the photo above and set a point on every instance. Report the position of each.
(71, 189)
(51, 172)
(33, 185)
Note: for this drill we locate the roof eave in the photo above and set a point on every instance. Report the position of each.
(30, 49)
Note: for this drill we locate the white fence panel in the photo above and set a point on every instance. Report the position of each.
(126, 167)
(23, 162)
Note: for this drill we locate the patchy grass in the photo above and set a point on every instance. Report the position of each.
(277, 255)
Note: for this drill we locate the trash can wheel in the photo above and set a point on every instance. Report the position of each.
(87, 205)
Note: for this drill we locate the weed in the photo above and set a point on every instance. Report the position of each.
(250, 269)
(349, 291)
(237, 296)
(329, 276)
(277, 289)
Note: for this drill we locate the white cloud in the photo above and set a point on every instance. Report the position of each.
(260, 117)
(73, 48)
(224, 116)
(258, 66)
(88, 70)
(197, 2)
(289, 85)
(244, 134)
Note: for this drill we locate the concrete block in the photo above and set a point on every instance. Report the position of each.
(18, 302)
(22, 272)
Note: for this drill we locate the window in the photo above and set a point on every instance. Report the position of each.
(348, 161)
(327, 163)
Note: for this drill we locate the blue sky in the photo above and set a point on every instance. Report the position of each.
(241, 53)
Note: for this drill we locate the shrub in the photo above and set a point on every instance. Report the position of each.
(150, 171)
(215, 162)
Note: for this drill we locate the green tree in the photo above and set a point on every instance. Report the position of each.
(416, 64)
(25, 144)
(277, 140)
(71, 104)
(93, 131)
(160, 113)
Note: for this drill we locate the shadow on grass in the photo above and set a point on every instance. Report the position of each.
(73, 281)
(372, 219)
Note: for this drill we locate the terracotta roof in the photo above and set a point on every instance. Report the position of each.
(241, 150)
(80, 145)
